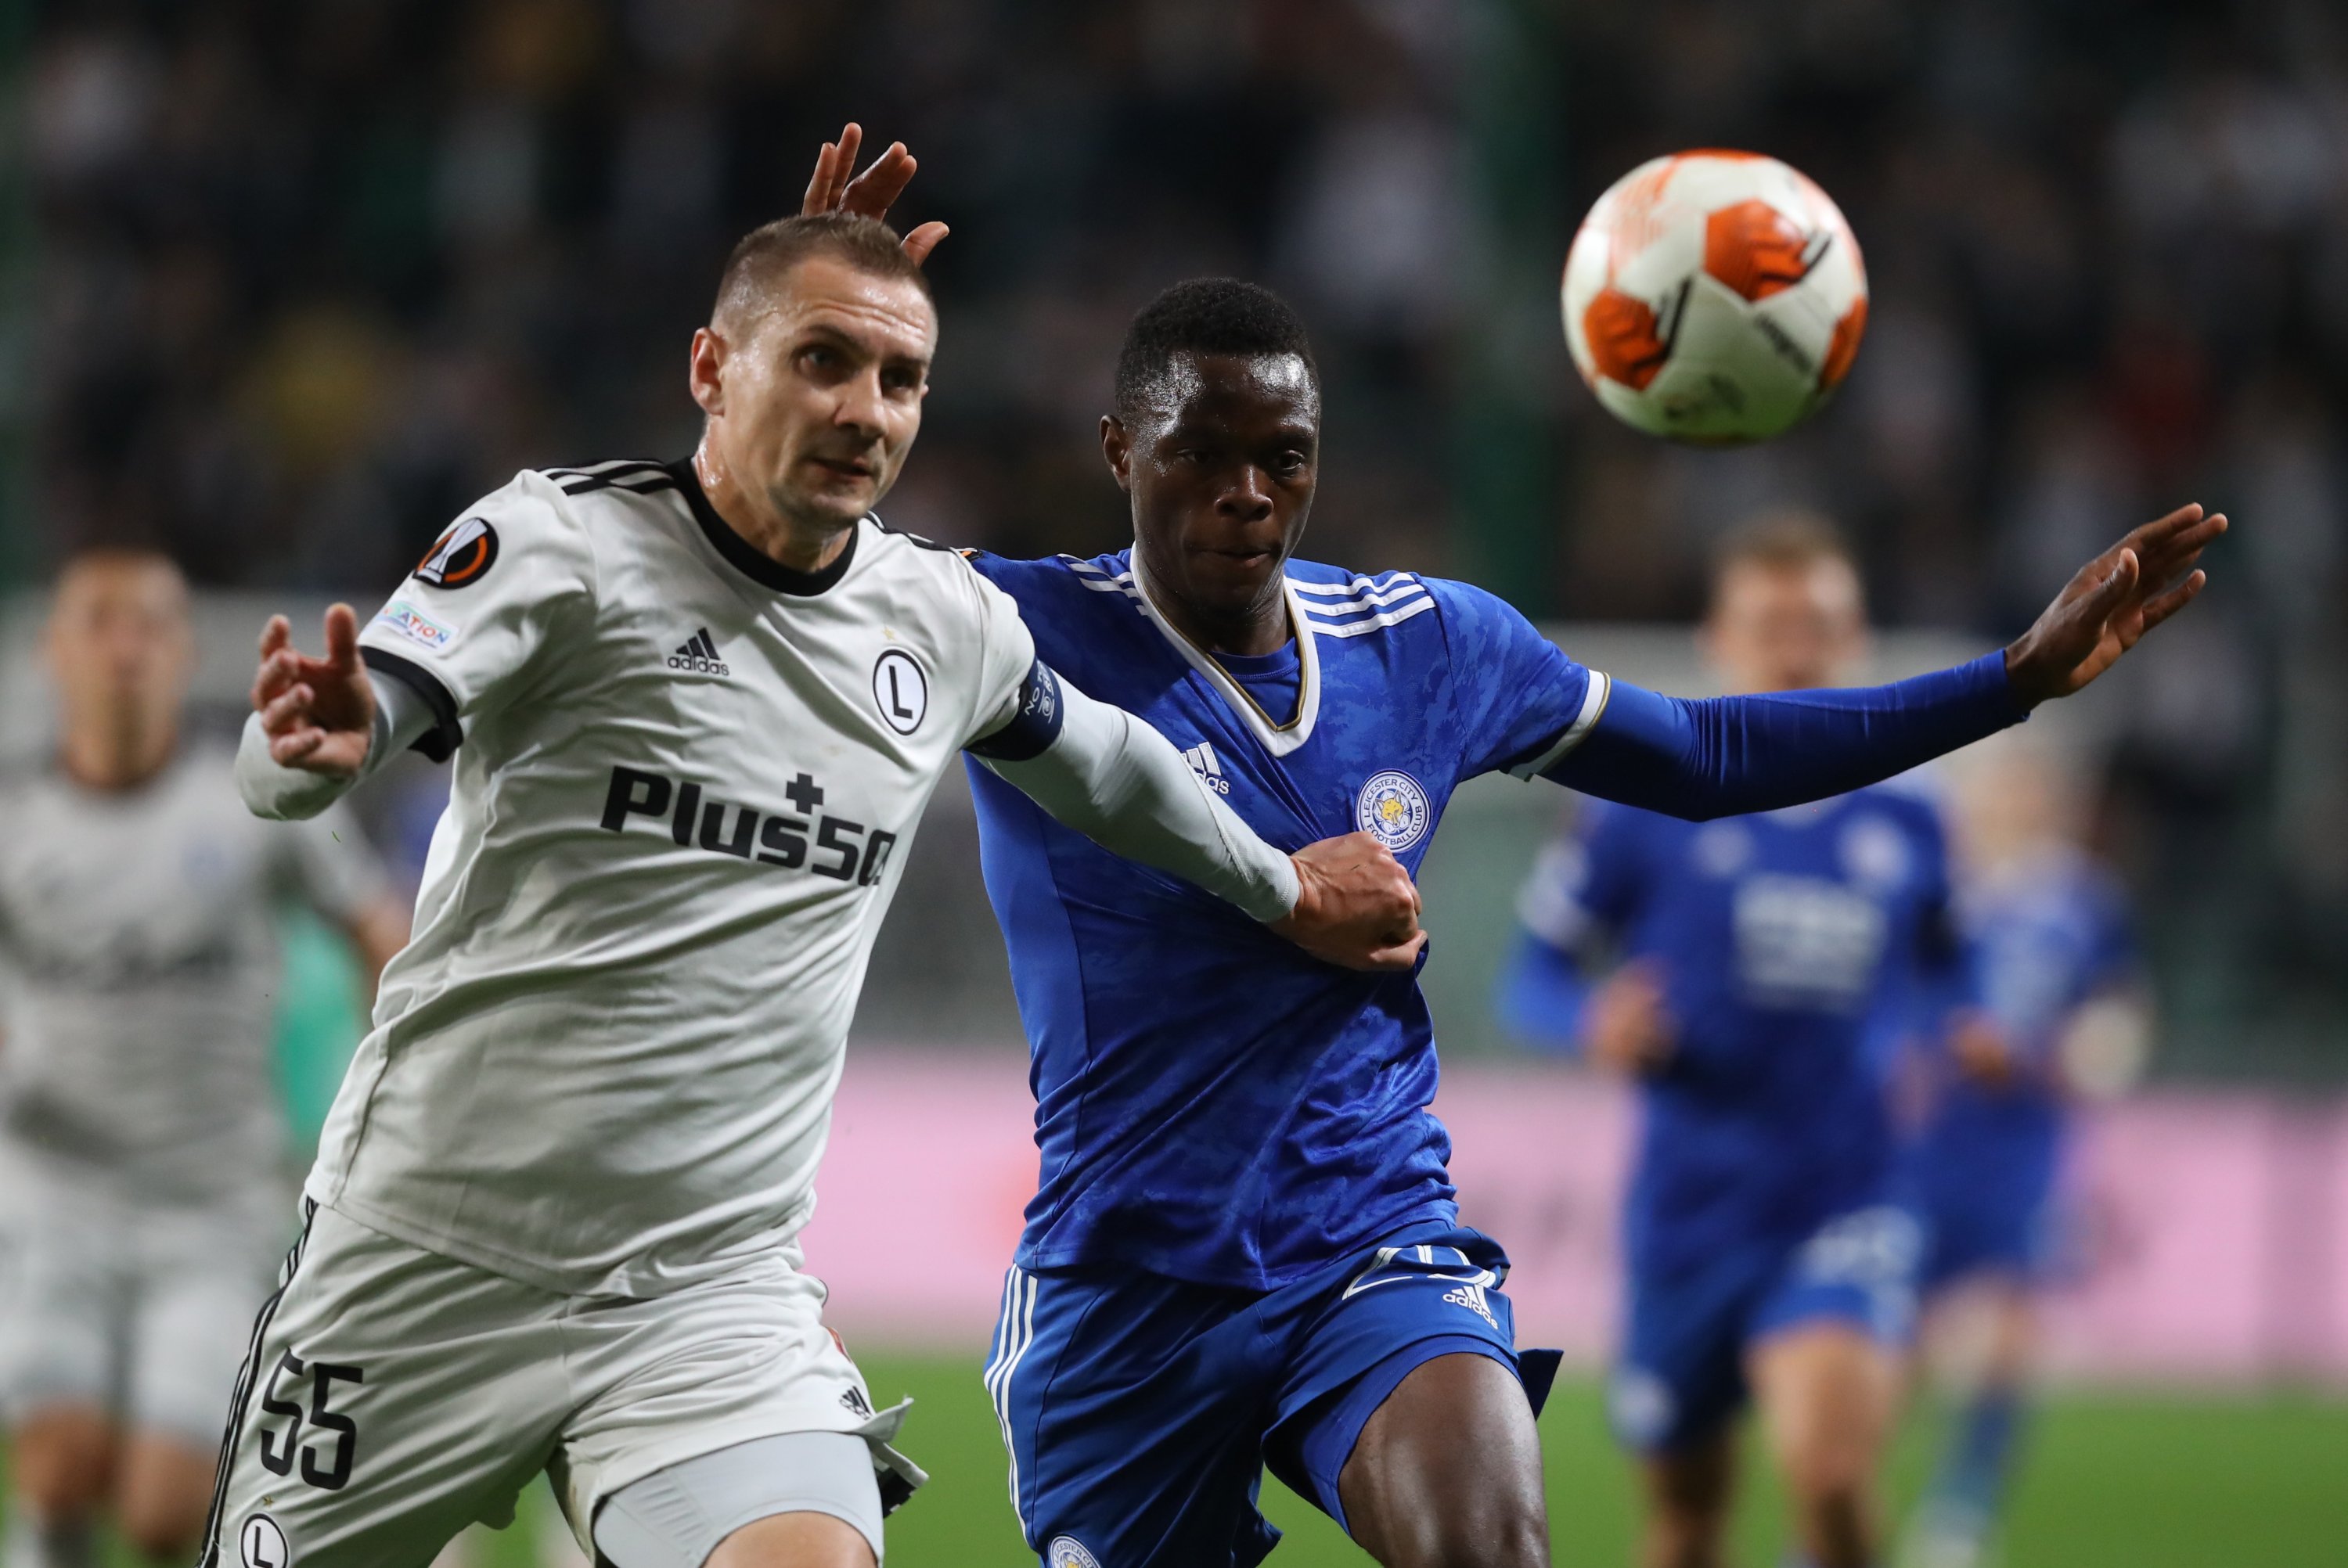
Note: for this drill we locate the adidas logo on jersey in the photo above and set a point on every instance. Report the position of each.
(699, 656)
(1202, 758)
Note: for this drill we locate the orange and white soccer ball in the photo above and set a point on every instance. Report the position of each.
(1714, 297)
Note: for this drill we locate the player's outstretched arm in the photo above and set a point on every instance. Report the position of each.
(2110, 603)
(319, 714)
(1728, 755)
(318, 725)
(1122, 784)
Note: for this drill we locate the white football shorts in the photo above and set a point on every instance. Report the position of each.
(393, 1396)
(139, 1311)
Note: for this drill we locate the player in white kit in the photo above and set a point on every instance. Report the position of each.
(141, 1149)
(696, 709)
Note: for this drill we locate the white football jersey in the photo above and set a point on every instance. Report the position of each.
(686, 779)
(140, 976)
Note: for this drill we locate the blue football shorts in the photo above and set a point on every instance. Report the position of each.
(1139, 1411)
(1682, 1372)
(1991, 1216)
(2006, 1230)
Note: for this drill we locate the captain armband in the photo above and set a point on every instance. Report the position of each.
(1033, 725)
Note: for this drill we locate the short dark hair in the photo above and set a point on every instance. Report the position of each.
(1205, 315)
(86, 554)
(763, 255)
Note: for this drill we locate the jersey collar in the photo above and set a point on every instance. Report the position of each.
(1277, 739)
(749, 560)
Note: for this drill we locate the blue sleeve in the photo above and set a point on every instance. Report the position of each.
(1515, 695)
(1725, 756)
(1583, 886)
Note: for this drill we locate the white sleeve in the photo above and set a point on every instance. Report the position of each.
(1123, 786)
(484, 607)
(1007, 653)
(271, 789)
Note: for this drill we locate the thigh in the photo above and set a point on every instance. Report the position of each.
(1133, 1409)
(62, 1458)
(708, 1367)
(1448, 1470)
(1980, 1332)
(1828, 1393)
(798, 1498)
(389, 1397)
(1401, 1307)
(796, 1541)
(162, 1490)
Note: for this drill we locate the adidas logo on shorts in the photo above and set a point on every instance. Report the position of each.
(698, 656)
(1471, 1296)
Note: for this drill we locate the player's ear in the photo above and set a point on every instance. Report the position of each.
(1117, 449)
(704, 370)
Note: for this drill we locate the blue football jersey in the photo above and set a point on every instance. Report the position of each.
(1213, 1105)
(1778, 939)
(2048, 936)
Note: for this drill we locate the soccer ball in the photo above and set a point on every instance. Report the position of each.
(1714, 297)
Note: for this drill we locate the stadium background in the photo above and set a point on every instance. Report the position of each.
(283, 285)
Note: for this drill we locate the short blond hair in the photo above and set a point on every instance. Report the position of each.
(1789, 540)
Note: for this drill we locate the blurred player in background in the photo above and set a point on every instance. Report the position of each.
(2064, 1017)
(1766, 1256)
(140, 1136)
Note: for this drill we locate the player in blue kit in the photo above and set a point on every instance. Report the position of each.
(1244, 1247)
(2063, 1018)
(1766, 1252)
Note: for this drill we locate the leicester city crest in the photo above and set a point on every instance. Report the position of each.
(1394, 810)
(1067, 1551)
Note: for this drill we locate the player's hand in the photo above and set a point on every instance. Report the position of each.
(1625, 1027)
(1982, 1052)
(837, 188)
(2115, 599)
(1355, 906)
(318, 713)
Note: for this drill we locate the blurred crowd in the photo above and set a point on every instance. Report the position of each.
(312, 273)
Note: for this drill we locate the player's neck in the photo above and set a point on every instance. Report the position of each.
(801, 544)
(1249, 635)
(1250, 632)
(116, 759)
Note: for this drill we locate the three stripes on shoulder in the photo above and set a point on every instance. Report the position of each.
(632, 474)
(1331, 609)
